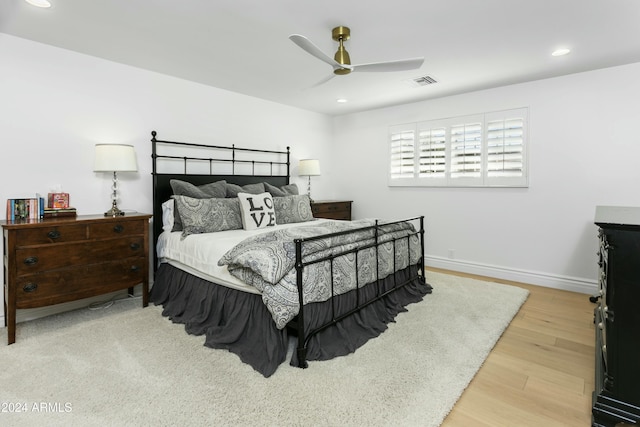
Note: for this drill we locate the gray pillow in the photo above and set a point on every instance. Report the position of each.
(207, 191)
(208, 215)
(233, 189)
(285, 190)
(294, 208)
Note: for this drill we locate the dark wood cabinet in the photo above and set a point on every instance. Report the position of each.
(51, 261)
(331, 209)
(616, 397)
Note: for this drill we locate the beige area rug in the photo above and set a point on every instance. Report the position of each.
(128, 366)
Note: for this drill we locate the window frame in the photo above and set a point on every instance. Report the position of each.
(516, 157)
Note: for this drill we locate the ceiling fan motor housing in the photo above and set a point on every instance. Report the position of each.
(340, 34)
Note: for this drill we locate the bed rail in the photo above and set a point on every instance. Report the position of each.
(305, 335)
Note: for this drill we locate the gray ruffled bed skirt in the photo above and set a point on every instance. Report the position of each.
(239, 321)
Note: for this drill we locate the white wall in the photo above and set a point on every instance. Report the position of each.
(584, 151)
(55, 105)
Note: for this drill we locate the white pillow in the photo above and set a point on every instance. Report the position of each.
(257, 210)
(167, 215)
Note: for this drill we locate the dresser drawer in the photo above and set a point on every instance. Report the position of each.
(332, 207)
(51, 234)
(115, 229)
(39, 258)
(58, 286)
(332, 210)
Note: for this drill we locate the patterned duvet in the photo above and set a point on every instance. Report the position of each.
(267, 261)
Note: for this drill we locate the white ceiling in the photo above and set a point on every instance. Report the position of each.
(243, 45)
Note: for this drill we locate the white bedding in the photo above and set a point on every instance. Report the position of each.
(198, 254)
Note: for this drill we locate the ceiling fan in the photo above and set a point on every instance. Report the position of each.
(341, 62)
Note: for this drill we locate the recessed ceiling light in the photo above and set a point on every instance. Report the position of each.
(39, 3)
(341, 100)
(561, 52)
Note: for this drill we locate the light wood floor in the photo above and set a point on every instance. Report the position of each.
(541, 371)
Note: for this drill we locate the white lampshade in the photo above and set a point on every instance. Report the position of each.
(115, 158)
(309, 167)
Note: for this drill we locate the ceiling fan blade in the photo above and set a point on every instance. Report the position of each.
(400, 65)
(312, 49)
(323, 81)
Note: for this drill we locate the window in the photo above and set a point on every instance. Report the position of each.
(480, 150)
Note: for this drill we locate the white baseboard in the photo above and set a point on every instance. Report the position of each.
(574, 284)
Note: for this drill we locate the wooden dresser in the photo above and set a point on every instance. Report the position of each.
(331, 209)
(51, 261)
(616, 397)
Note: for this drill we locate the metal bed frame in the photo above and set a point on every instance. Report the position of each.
(162, 192)
(303, 335)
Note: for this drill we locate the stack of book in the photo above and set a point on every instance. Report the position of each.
(58, 206)
(59, 213)
(25, 209)
(35, 208)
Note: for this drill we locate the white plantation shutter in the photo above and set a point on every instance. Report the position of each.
(481, 150)
(506, 145)
(432, 144)
(466, 150)
(403, 159)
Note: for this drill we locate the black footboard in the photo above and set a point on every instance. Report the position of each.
(381, 288)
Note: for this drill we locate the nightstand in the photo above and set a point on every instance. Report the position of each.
(56, 260)
(331, 209)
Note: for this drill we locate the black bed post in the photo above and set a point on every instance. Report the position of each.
(302, 345)
(288, 166)
(422, 248)
(154, 198)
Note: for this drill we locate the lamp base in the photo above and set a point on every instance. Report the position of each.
(114, 211)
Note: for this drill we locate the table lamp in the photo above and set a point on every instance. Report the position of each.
(115, 158)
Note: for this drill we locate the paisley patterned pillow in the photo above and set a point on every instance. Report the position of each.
(206, 191)
(208, 215)
(290, 209)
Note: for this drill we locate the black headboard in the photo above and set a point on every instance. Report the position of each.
(201, 164)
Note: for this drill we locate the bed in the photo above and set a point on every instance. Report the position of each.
(326, 285)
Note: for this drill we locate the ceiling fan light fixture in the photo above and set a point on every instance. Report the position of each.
(342, 71)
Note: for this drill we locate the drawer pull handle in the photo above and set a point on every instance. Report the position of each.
(53, 234)
(135, 268)
(135, 246)
(32, 260)
(118, 228)
(30, 287)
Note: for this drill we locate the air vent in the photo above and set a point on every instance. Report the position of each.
(422, 81)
